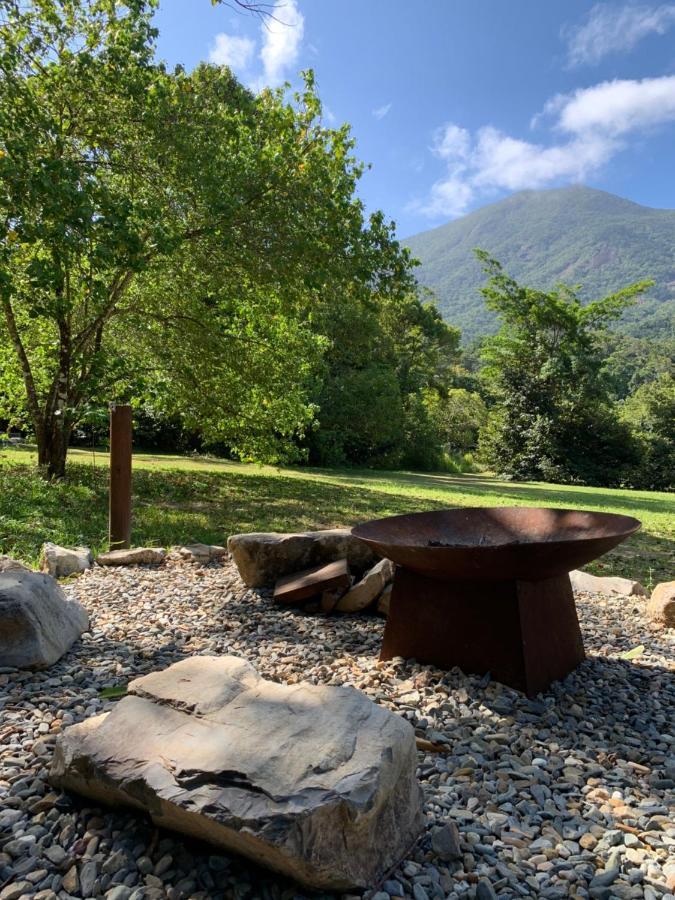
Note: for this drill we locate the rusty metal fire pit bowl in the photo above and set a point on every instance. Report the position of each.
(487, 588)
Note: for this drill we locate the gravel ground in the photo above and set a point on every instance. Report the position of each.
(568, 795)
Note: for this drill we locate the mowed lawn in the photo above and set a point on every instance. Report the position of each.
(184, 499)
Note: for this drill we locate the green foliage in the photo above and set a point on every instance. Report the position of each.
(631, 362)
(575, 234)
(168, 237)
(552, 418)
(650, 413)
(459, 416)
(384, 353)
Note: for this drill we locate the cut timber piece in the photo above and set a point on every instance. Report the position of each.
(302, 585)
(314, 781)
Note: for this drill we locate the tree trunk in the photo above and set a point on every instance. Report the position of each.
(52, 440)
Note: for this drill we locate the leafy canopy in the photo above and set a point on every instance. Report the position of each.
(167, 236)
(551, 417)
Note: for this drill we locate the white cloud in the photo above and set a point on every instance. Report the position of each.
(449, 198)
(617, 107)
(613, 28)
(230, 50)
(382, 111)
(451, 142)
(592, 125)
(282, 35)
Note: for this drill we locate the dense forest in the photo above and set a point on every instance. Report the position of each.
(173, 240)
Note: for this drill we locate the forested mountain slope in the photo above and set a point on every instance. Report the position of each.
(576, 235)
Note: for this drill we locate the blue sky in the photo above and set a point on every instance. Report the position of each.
(457, 103)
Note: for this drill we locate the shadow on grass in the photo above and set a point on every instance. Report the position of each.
(173, 506)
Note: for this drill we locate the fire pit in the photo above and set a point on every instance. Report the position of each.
(488, 589)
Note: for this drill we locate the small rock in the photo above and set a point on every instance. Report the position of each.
(485, 891)
(71, 881)
(15, 890)
(201, 553)
(60, 562)
(661, 604)
(7, 564)
(368, 589)
(138, 556)
(88, 876)
(584, 582)
(445, 842)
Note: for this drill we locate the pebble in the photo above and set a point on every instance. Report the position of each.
(522, 801)
(445, 842)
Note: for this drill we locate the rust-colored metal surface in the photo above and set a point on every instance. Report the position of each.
(120, 476)
(488, 589)
(494, 543)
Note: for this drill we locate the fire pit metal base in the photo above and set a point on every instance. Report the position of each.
(525, 633)
(487, 588)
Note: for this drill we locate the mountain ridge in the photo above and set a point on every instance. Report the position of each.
(576, 235)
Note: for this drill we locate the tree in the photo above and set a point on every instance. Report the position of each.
(551, 417)
(650, 413)
(459, 415)
(385, 350)
(166, 233)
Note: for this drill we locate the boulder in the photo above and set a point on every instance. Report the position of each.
(384, 599)
(583, 582)
(7, 564)
(138, 556)
(661, 604)
(314, 781)
(368, 589)
(201, 553)
(37, 623)
(264, 557)
(60, 562)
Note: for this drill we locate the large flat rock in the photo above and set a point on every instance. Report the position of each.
(37, 623)
(584, 582)
(315, 782)
(263, 557)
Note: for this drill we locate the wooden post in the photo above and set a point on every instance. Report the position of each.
(120, 476)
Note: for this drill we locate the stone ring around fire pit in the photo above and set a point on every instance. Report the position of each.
(487, 588)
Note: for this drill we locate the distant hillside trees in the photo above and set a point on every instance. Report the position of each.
(551, 415)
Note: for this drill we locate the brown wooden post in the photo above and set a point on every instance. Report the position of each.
(120, 476)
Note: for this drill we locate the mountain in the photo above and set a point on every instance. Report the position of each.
(576, 235)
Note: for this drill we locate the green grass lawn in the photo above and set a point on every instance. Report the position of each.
(183, 499)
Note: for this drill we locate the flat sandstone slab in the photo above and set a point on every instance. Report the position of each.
(294, 588)
(316, 782)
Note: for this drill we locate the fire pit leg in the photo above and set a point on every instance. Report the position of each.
(525, 633)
